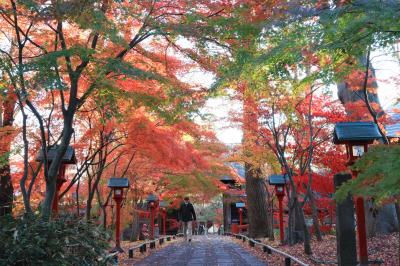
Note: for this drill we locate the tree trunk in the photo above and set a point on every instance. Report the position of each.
(271, 225)
(270, 215)
(104, 208)
(257, 208)
(257, 205)
(302, 220)
(290, 233)
(135, 224)
(89, 206)
(6, 187)
(314, 211)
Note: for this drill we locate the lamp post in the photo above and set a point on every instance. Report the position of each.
(152, 201)
(68, 158)
(279, 181)
(357, 136)
(240, 206)
(118, 185)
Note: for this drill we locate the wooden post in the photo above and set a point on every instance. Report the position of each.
(361, 231)
(345, 226)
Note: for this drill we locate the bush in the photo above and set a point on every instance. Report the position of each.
(63, 241)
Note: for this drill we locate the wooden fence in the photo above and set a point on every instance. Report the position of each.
(266, 248)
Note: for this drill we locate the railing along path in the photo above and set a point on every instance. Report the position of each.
(269, 249)
(152, 244)
(143, 246)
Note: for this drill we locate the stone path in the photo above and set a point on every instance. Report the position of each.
(203, 250)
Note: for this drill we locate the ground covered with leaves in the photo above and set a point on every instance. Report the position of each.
(384, 249)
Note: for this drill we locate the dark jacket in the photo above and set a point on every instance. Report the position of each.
(186, 212)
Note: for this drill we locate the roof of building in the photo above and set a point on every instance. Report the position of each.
(118, 182)
(355, 131)
(240, 204)
(68, 158)
(277, 179)
(152, 197)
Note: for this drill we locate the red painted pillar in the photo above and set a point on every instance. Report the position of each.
(60, 181)
(361, 228)
(118, 222)
(281, 231)
(240, 216)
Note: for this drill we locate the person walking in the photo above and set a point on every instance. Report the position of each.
(186, 216)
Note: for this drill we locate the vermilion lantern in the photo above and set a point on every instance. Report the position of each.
(357, 136)
(279, 181)
(152, 200)
(68, 158)
(118, 185)
(240, 205)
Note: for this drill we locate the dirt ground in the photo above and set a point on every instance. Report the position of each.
(384, 249)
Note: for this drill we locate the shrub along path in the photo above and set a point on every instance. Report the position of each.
(203, 250)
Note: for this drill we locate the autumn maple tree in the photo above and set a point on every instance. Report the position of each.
(73, 62)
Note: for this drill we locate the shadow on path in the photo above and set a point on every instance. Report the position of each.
(203, 250)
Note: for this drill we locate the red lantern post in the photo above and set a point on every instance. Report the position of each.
(152, 201)
(279, 181)
(118, 201)
(357, 136)
(68, 158)
(280, 193)
(118, 185)
(356, 151)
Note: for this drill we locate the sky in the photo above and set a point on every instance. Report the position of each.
(387, 69)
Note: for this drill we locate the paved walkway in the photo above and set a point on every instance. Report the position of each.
(203, 250)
